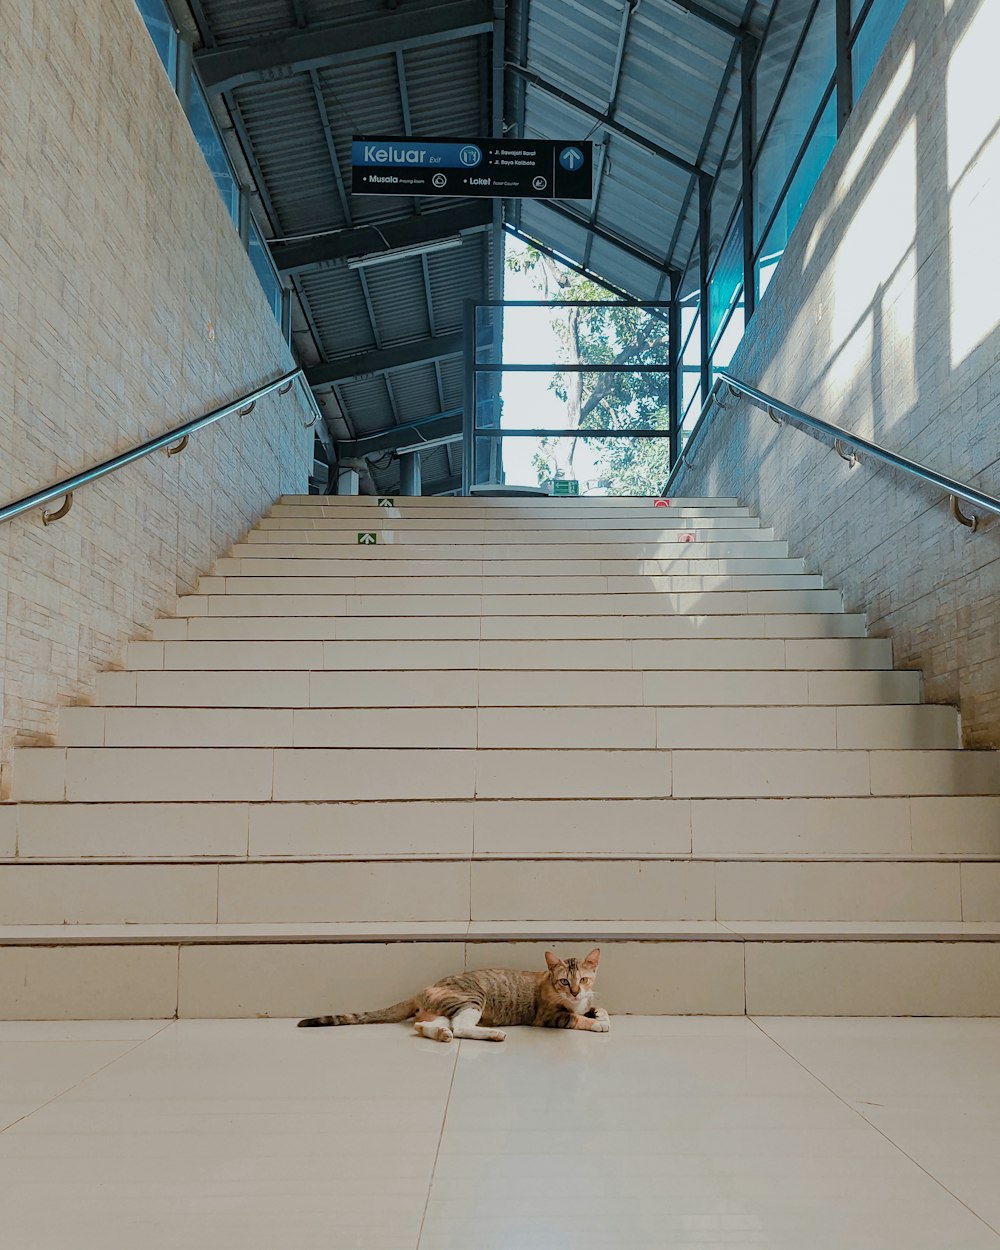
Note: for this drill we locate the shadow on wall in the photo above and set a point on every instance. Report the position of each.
(885, 317)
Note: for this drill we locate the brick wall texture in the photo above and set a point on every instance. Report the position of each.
(884, 316)
(127, 305)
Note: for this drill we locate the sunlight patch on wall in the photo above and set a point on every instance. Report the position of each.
(863, 146)
(973, 102)
(875, 289)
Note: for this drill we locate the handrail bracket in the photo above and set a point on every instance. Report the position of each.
(970, 522)
(49, 517)
(851, 456)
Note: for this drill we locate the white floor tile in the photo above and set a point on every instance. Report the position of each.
(666, 1132)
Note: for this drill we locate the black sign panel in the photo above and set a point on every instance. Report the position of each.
(501, 168)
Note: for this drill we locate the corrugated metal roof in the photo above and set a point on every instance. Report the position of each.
(672, 78)
(677, 87)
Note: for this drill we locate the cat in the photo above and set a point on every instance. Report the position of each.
(472, 1004)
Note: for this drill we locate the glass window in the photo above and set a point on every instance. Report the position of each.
(806, 175)
(690, 360)
(727, 281)
(782, 36)
(205, 131)
(726, 190)
(260, 258)
(871, 38)
(161, 30)
(561, 399)
(584, 466)
(811, 76)
(729, 339)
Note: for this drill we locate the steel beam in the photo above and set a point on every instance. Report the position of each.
(326, 251)
(409, 473)
(280, 56)
(616, 128)
(443, 485)
(364, 364)
(709, 18)
(845, 85)
(674, 380)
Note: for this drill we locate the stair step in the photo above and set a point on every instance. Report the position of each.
(610, 726)
(158, 972)
(428, 688)
(286, 600)
(755, 546)
(679, 536)
(143, 774)
(588, 890)
(304, 559)
(554, 504)
(403, 628)
(604, 654)
(648, 520)
(922, 827)
(279, 578)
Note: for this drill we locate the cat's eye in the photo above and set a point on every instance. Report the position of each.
(563, 981)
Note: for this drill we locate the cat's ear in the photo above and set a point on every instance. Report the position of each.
(594, 958)
(552, 960)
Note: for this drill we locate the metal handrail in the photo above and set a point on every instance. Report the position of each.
(174, 440)
(780, 412)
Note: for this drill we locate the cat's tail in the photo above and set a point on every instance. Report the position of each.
(388, 1015)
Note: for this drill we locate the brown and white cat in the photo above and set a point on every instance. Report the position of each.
(472, 1004)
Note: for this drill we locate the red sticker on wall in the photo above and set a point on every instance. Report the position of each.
(662, 503)
(687, 538)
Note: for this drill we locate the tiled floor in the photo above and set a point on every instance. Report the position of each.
(790, 1134)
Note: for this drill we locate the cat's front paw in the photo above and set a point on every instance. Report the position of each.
(497, 1035)
(600, 1025)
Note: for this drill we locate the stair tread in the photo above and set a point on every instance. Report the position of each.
(460, 931)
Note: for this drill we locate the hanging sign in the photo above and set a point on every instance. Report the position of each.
(501, 168)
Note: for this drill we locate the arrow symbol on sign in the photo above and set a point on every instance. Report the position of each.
(386, 501)
(366, 538)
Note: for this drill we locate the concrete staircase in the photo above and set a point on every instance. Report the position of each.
(345, 769)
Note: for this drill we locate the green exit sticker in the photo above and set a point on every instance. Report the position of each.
(367, 537)
(386, 501)
(565, 486)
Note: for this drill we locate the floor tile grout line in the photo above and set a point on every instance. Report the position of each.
(437, 1152)
(83, 1080)
(861, 1116)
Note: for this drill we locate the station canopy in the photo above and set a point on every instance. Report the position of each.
(379, 281)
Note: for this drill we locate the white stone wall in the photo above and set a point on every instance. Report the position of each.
(127, 305)
(884, 316)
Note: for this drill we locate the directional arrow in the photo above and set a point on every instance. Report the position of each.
(367, 537)
(386, 501)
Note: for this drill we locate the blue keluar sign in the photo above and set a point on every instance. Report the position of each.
(500, 168)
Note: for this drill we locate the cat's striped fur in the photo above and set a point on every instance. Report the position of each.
(473, 1004)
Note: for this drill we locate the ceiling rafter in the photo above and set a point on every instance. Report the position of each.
(334, 248)
(289, 52)
(364, 364)
(626, 132)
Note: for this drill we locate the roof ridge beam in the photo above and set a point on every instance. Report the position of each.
(616, 128)
(334, 249)
(366, 364)
(710, 18)
(290, 52)
(434, 429)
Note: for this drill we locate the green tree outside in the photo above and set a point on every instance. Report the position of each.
(622, 334)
